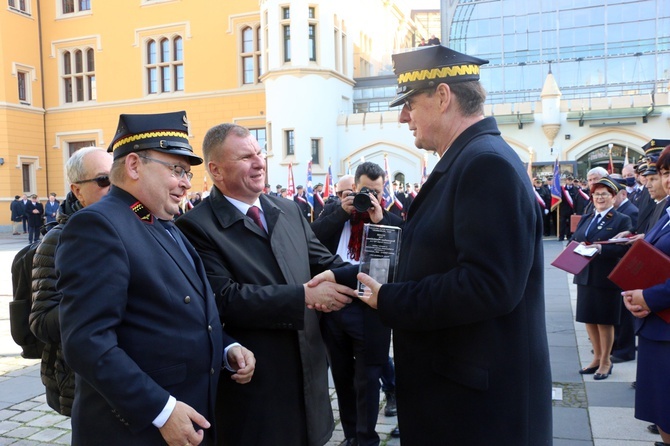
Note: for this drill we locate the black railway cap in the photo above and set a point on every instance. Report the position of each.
(655, 146)
(163, 132)
(428, 66)
(610, 183)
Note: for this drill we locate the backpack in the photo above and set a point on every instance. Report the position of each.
(19, 308)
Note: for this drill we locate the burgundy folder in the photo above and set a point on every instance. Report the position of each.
(642, 267)
(570, 261)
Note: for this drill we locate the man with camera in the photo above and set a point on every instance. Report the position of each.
(357, 342)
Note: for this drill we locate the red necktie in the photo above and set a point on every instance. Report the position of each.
(255, 215)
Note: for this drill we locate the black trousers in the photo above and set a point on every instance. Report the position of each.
(624, 337)
(356, 382)
(33, 233)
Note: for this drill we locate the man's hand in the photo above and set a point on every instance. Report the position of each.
(635, 303)
(371, 289)
(347, 203)
(327, 296)
(178, 429)
(375, 211)
(243, 361)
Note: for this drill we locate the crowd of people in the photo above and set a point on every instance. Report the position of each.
(614, 212)
(182, 319)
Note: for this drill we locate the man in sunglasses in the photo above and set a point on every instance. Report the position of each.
(139, 322)
(88, 174)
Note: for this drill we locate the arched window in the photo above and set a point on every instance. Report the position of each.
(78, 75)
(165, 65)
(250, 55)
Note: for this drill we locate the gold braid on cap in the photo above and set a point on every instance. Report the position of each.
(142, 136)
(438, 73)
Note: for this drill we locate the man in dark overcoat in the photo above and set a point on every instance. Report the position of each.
(467, 307)
(259, 252)
(138, 319)
(35, 214)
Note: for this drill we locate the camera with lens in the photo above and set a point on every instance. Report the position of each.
(362, 201)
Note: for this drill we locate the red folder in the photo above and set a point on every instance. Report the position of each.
(642, 267)
(570, 261)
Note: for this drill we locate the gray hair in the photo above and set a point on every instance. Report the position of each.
(75, 165)
(216, 136)
(597, 171)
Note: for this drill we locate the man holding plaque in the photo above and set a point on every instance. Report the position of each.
(357, 342)
(467, 304)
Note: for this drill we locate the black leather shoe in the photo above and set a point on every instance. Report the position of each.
(601, 376)
(653, 429)
(395, 433)
(660, 443)
(349, 442)
(588, 370)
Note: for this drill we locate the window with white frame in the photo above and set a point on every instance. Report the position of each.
(259, 134)
(19, 5)
(23, 81)
(316, 151)
(286, 32)
(74, 6)
(78, 75)
(311, 36)
(165, 64)
(290, 142)
(251, 55)
(29, 166)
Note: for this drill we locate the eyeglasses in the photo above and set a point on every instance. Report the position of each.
(409, 102)
(102, 181)
(177, 170)
(604, 195)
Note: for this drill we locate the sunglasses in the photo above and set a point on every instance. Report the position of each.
(102, 181)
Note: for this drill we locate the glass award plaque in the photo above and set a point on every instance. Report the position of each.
(379, 253)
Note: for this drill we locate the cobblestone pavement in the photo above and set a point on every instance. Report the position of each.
(586, 412)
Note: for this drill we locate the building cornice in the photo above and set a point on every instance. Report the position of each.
(306, 71)
(21, 108)
(159, 99)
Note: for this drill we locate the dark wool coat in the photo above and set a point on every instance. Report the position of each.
(258, 279)
(467, 310)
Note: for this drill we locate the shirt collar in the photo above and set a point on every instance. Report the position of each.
(242, 206)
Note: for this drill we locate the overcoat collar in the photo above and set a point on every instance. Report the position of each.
(485, 126)
(228, 214)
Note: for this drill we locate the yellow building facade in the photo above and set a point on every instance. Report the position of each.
(106, 59)
(71, 67)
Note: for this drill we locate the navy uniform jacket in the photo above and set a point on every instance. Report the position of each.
(467, 312)
(596, 272)
(657, 297)
(138, 324)
(258, 280)
(628, 208)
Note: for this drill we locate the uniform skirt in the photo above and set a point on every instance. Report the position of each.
(653, 382)
(597, 305)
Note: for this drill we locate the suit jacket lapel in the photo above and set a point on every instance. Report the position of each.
(172, 249)
(227, 214)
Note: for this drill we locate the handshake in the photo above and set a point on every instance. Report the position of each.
(324, 294)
